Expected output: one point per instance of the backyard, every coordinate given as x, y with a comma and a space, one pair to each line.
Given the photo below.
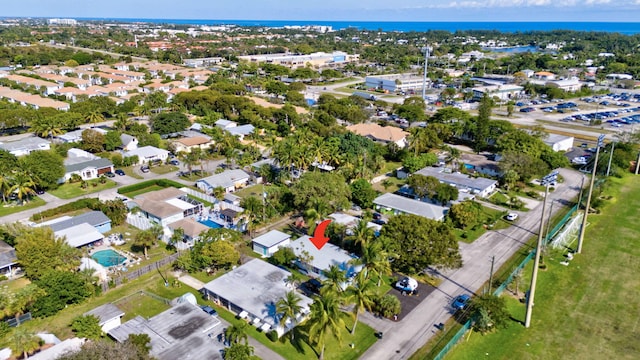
72, 190
594, 299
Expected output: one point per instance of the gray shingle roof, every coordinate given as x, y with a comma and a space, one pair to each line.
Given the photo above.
7, 255
106, 312
97, 163
410, 206
93, 218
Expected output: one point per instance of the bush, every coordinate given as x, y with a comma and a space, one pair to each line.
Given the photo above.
3, 278
387, 306
273, 335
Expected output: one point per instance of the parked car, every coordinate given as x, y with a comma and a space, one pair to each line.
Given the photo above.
460, 302
39, 191
144, 169
174, 162
120, 172
511, 216
110, 174
209, 310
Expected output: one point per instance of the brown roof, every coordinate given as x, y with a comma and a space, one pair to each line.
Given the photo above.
192, 141
191, 227
381, 133
160, 209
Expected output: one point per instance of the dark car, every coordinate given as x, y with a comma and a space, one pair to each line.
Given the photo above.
39, 191
110, 174
527, 109
209, 310
144, 169
120, 172
174, 162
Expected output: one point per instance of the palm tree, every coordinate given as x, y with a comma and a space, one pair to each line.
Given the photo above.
289, 307
362, 234
94, 117
335, 278
253, 208
23, 342
361, 295
24, 298
326, 319
46, 127
294, 279
145, 239
375, 260
237, 332
23, 186
5, 185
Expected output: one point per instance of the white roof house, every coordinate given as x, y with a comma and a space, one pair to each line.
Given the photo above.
26, 146
483, 187
322, 259
147, 154
269, 243
80, 235
396, 204
251, 290
109, 316
229, 180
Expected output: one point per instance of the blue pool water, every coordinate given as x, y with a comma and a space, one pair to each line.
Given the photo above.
210, 223
108, 258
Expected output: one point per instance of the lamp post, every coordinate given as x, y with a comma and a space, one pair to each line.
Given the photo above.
424, 78
586, 208
536, 263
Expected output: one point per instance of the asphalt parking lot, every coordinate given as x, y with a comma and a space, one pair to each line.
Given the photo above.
409, 302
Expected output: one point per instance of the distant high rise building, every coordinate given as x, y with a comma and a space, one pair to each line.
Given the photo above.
67, 22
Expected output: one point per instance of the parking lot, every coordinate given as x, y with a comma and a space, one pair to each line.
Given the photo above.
409, 302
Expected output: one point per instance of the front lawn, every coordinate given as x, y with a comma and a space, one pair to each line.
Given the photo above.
147, 189
131, 172
12, 207
72, 190
163, 169
301, 349
490, 219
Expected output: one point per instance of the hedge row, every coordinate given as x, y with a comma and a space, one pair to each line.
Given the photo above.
165, 183
90, 203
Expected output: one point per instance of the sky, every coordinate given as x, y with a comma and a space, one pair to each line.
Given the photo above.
333, 10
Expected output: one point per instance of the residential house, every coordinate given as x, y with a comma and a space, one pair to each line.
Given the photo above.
395, 204
109, 316
183, 331
97, 219
80, 235
58, 348
559, 142
26, 146
191, 228
242, 131
8, 259
74, 136
226, 124
147, 154
316, 261
251, 291
48, 86
167, 205
129, 142
480, 164
481, 187
86, 165
267, 244
195, 142
229, 180
544, 75
383, 134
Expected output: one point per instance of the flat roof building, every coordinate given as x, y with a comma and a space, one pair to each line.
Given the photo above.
322, 259
482, 187
396, 82
396, 204
269, 243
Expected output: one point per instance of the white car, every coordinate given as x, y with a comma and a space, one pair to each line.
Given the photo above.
511, 216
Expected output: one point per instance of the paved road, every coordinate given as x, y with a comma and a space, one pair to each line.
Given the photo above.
403, 338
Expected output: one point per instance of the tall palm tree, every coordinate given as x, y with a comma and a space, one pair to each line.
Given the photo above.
94, 117
5, 185
289, 307
375, 261
361, 295
253, 208
237, 332
335, 278
145, 239
23, 186
46, 127
326, 319
23, 342
362, 234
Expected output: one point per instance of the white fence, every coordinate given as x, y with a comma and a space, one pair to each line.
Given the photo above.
199, 195
139, 222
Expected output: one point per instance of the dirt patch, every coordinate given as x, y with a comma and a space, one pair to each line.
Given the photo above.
265, 103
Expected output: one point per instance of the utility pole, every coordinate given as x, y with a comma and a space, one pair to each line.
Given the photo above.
493, 260
536, 263
586, 208
613, 146
424, 77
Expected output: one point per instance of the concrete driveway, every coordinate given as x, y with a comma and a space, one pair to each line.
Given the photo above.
403, 338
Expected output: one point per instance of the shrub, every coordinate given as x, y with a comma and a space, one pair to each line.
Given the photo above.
273, 335
387, 306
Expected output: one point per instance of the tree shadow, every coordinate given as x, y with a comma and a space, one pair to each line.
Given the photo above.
301, 337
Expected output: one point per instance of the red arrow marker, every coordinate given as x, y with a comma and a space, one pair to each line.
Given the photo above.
318, 239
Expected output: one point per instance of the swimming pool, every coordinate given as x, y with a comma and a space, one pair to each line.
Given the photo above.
210, 223
108, 258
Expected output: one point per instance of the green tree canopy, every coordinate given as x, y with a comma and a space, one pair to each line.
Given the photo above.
39, 252
330, 187
420, 242
45, 167
87, 326
489, 312
170, 122
362, 193
63, 288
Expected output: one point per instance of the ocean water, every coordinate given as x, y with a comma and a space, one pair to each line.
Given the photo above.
628, 28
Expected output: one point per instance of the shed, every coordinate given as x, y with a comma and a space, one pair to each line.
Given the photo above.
267, 244
109, 315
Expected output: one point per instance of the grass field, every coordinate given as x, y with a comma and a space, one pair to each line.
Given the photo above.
134, 193
12, 207
140, 304
129, 171
588, 310
492, 218
163, 169
70, 191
